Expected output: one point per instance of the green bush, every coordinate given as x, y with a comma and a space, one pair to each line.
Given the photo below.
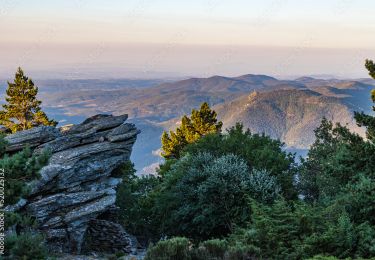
258, 151
204, 197
298, 230
178, 248
214, 248
19, 169
365, 233
359, 196
135, 203
25, 246
339, 176
241, 252
218, 249
336, 159
263, 186
322, 257
19, 220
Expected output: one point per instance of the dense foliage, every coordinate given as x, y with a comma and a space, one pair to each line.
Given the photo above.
337, 158
206, 193
182, 248
20, 169
259, 151
200, 123
22, 110
175, 248
135, 203
238, 195
25, 246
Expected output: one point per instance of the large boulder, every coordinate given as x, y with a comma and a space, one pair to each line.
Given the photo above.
76, 191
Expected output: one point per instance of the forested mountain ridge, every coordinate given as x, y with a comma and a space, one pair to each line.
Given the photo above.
286, 109
288, 115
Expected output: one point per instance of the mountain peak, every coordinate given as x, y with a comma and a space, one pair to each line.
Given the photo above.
255, 77
304, 79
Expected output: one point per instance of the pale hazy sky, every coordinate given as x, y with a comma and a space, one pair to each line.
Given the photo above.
156, 38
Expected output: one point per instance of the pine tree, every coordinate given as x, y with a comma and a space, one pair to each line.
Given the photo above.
22, 110
367, 120
201, 122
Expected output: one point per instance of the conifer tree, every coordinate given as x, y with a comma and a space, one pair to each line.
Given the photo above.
201, 122
23, 110
368, 120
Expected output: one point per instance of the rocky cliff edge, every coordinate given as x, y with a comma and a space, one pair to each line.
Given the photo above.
74, 199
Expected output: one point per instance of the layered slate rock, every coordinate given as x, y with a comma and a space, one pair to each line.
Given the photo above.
76, 192
107, 236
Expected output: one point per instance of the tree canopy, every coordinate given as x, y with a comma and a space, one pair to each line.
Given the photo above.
201, 122
240, 195
22, 109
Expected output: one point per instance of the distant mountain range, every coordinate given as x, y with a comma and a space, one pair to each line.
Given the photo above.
286, 109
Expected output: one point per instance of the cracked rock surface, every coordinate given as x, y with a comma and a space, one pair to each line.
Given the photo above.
76, 192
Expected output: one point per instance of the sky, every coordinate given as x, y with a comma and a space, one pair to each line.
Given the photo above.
165, 38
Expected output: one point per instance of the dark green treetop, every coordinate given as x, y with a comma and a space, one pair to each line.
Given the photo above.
22, 110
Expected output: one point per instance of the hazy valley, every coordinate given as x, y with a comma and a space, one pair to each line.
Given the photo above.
286, 109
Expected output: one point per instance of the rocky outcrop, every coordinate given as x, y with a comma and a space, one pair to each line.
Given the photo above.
77, 190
